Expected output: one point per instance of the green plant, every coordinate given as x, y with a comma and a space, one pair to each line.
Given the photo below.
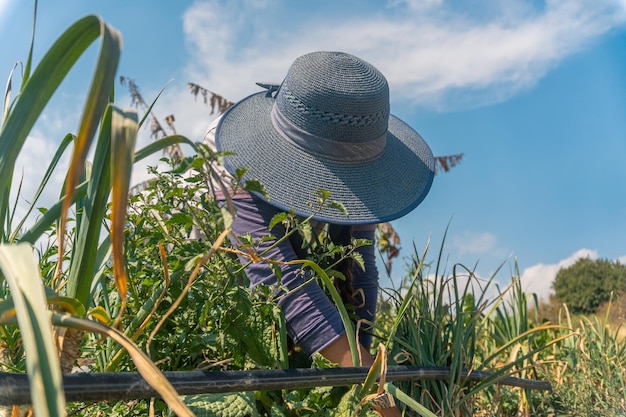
588, 370
435, 326
131, 274
450, 322
217, 318
588, 283
88, 187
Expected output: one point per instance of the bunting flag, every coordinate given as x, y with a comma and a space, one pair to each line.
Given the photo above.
174, 151
210, 98
156, 130
388, 243
447, 162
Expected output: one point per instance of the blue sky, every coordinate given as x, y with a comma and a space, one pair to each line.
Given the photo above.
533, 93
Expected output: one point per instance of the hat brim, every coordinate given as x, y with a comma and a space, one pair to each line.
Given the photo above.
375, 191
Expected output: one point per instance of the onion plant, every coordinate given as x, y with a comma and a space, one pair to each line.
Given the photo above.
450, 321
589, 369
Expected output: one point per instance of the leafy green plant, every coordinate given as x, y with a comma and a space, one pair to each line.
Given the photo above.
188, 318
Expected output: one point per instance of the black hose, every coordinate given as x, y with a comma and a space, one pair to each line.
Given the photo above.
14, 388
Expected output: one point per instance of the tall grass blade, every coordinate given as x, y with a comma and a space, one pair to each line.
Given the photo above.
378, 368
7, 94
5, 211
334, 294
29, 60
149, 109
38, 89
124, 135
21, 270
159, 145
410, 402
406, 301
91, 211
97, 100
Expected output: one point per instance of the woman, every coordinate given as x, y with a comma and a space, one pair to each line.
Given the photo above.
326, 127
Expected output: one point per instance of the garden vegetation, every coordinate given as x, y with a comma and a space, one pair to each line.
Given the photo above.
105, 280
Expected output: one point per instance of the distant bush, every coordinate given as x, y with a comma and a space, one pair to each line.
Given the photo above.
588, 283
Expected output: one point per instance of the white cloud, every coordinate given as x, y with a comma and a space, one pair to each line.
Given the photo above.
4, 7
30, 168
538, 278
416, 4
427, 52
474, 243
429, 57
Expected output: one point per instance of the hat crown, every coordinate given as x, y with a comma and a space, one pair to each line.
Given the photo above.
335, 96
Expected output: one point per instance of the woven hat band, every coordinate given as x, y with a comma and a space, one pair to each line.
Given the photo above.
326, 148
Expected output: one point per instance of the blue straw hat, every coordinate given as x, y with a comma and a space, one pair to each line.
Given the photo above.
328, 127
